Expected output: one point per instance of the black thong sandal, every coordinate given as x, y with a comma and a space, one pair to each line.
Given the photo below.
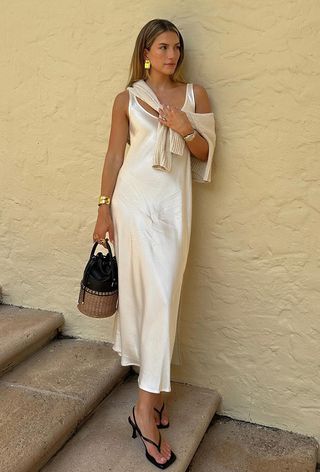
161, 425
135, 428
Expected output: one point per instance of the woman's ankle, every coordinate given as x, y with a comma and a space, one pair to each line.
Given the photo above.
143, 408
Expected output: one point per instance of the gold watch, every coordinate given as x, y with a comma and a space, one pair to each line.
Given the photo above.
190, 136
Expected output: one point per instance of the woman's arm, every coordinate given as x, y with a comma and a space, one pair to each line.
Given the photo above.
112, 163
199, 145
179, 122
116, 148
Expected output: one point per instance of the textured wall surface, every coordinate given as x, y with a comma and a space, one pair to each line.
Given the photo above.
250, 302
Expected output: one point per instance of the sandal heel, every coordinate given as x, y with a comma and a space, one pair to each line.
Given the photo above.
134, 429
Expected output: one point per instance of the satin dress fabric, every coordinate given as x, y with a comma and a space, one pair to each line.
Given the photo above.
151, 211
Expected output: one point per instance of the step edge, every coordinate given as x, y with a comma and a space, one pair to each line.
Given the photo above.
57, 441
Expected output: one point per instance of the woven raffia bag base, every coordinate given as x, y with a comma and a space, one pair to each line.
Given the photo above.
96, 305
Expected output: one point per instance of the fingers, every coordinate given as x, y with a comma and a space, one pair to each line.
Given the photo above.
162, 115
167, 109
102, 239
167, 114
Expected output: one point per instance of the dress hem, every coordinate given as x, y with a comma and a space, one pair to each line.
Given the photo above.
152, 390
125, 362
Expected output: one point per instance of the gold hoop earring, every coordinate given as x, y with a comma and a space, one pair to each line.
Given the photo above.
147, 64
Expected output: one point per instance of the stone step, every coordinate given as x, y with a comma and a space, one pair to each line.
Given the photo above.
24, 331
236, 446
105, 442
45, 399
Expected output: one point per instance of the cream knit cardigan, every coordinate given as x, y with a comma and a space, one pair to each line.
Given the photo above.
170, 143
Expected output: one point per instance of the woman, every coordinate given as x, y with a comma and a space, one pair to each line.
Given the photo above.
146, 209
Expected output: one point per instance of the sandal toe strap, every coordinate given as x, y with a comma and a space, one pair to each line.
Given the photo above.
161, 409
158, 446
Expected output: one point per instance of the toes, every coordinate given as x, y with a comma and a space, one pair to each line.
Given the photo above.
160, 457
166, 451
167, 456
163, 458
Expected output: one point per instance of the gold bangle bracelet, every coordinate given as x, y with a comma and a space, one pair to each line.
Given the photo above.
104, 199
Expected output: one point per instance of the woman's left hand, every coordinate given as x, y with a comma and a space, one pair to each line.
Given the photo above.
176, 119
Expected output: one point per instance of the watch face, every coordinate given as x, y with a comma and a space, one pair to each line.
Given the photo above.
190, 137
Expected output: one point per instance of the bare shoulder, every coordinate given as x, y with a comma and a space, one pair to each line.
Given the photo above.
202, 100
121, 102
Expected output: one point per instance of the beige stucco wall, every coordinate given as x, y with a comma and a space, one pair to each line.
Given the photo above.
250, 303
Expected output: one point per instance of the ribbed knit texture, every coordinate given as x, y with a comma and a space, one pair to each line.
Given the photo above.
170, 143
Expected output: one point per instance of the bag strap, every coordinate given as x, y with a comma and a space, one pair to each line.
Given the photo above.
96, 244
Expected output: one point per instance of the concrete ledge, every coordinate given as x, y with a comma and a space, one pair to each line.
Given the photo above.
24, 331
45, 399
236, 446
104, 443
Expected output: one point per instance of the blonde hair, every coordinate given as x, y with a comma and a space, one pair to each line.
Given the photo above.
144, 40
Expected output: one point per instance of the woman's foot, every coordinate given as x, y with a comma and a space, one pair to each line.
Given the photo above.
164, 414
146, 423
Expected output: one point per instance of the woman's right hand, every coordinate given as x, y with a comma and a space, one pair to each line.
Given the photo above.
104, 225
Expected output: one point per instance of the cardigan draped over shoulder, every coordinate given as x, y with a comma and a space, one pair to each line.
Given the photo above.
171, 144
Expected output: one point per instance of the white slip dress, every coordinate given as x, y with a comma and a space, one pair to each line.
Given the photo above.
151, 211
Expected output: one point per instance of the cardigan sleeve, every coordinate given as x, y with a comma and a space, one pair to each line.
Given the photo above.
205, 124
169, 142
